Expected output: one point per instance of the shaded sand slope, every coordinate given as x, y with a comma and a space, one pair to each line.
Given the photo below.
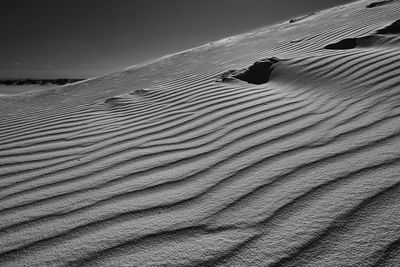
279, 147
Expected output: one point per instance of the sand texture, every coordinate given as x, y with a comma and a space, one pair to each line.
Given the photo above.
278, 147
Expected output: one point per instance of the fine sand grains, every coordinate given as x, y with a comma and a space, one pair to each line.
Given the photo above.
279, 147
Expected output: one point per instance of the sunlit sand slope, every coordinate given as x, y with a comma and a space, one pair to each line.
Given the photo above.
279, 147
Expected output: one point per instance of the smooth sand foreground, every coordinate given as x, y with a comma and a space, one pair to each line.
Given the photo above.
182, 162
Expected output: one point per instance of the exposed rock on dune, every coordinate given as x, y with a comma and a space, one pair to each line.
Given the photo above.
258, 73
293, 20
291, 159
380, 3
373, 40
393, 28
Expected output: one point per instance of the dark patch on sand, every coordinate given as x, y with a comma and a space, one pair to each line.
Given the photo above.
293, 20
393, 28
258, 73
375, 39
348, 43
380, 3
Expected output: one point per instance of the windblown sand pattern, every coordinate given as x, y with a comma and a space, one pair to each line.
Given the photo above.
279, 147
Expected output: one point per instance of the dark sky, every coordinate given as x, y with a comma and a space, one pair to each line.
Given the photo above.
86, 38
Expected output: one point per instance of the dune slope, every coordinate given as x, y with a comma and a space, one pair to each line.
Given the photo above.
278, 147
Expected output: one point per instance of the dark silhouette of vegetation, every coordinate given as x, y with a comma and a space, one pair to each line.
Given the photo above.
39, 82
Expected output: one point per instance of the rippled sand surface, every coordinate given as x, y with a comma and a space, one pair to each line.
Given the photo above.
279, 147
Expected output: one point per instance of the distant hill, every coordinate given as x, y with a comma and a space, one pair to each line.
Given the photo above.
39, 82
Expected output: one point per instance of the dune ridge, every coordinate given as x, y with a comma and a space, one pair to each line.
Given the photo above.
279, 147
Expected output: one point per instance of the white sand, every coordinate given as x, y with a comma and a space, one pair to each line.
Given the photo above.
163, 165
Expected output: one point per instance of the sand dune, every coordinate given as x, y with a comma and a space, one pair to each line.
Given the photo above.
278, 147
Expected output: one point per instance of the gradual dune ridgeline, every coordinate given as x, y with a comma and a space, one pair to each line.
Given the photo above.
278, 147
